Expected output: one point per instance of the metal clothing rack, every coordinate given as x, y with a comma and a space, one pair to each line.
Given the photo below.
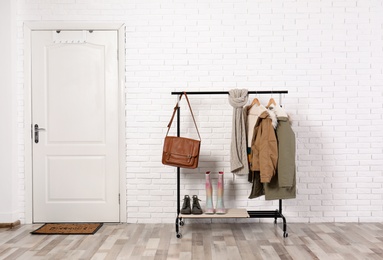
252, 214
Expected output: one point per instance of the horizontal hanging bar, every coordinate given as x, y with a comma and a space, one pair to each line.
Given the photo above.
227, 92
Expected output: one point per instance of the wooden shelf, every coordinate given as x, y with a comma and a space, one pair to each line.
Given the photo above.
231, 213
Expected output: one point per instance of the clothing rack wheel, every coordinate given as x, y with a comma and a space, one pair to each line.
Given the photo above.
179, 223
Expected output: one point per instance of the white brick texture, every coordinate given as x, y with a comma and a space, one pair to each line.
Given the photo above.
328, 54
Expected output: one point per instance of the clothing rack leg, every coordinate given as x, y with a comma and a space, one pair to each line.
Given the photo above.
279, 213
284, 227
178, 219
280, 206
285, 234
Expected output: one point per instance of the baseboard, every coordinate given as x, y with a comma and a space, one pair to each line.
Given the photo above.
10, 225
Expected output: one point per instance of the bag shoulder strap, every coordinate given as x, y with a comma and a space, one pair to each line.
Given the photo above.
175, 110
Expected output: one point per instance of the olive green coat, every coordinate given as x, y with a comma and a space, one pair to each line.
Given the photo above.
283, 184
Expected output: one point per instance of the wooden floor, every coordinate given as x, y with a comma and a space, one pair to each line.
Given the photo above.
200, 241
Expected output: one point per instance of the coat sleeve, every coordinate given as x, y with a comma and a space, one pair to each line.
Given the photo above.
255, 150
268, 152
286, 151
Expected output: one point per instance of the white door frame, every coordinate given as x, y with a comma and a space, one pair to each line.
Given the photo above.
41, 26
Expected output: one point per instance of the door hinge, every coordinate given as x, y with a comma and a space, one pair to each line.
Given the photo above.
119, 198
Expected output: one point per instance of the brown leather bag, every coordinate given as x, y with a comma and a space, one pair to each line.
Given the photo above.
180, 151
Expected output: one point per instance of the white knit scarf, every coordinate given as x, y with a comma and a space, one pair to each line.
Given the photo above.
238, 150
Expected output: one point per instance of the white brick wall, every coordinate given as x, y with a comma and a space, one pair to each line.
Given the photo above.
328, 54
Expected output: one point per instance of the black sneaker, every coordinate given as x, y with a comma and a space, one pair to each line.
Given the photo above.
186, 209
196, 210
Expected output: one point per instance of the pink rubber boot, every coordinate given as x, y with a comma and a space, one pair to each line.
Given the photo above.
209, 195
220, 205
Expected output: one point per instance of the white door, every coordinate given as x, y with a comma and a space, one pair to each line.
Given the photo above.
75, 126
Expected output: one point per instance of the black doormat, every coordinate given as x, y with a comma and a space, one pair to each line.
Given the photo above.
68, 229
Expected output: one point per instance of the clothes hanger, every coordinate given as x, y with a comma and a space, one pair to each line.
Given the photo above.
254, 102
271, 102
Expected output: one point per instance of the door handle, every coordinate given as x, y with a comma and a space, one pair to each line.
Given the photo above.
37, 130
